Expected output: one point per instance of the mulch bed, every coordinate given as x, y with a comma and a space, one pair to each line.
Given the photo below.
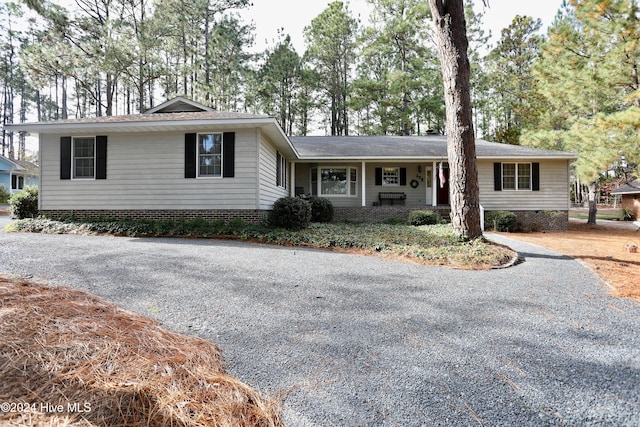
68, 358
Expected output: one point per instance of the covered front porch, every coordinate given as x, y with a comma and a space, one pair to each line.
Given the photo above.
374, 183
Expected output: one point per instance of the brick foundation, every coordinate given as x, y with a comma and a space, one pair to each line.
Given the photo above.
251, 216
527, 220
380, 213
542, 220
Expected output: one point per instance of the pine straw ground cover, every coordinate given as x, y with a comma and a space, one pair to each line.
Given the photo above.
68, 358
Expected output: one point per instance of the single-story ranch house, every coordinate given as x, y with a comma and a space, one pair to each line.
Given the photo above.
183, 160
17, 174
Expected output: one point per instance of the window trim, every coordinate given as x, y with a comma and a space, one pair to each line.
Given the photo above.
397, 184
198, 174
281, 171
517, 176
318, 174
18, 180
73, 159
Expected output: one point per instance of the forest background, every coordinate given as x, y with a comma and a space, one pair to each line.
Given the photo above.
575, 88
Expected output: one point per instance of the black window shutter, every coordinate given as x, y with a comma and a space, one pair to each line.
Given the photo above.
403, 176
14, 182
101, 157
497, 176
535, 176
65, 157
378, 176
228, 154
190, 155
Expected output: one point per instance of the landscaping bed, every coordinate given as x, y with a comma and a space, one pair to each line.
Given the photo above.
427, 245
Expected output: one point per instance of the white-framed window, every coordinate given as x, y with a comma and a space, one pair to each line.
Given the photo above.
281, 170
314, 181
210, 155
390, 176
353, 182
83, 157
516, 176
334, 181
17, 182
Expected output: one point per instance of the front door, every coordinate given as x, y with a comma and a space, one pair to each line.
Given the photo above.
442, 183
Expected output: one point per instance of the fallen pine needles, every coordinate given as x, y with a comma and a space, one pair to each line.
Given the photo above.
68, 358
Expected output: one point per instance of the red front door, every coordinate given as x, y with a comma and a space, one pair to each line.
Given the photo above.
443, 184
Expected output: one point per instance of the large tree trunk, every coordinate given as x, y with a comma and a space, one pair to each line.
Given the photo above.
450, 28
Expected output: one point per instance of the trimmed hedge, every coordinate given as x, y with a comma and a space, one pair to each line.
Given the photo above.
424, 217
291, 213
321, 209
24, 204
500, 221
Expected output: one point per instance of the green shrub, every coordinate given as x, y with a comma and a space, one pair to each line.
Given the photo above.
321, 209
291, 213
500, 221
424, 217
24, 204
5, 194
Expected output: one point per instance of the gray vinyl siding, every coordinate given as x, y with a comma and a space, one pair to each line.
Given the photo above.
553, 194
147, 172
416, 197
269, 191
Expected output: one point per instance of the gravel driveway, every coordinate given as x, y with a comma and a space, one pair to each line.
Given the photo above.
361, 341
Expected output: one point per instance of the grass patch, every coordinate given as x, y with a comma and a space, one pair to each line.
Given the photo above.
427, 244
99, 365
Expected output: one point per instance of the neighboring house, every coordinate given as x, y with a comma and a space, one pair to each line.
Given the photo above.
182, 160
17, 174
630, 194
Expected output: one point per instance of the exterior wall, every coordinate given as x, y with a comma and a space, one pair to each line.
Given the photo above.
418, 197
5, 179
532, 220
527, 220
380, 213
146, 172
631, 202
5, 174
253, 216
303, 179
269, 192
553, 194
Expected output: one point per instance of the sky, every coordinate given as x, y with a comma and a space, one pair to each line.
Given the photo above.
293, 15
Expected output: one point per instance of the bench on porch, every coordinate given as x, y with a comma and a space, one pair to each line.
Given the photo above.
391, 196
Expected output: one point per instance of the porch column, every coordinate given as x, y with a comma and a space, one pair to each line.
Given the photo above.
363, 185
292, 190
434, 185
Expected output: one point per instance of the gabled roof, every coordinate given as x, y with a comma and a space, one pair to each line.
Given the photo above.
630, 188
407, 147
178, 104
191, 121
19, 165
12, 164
